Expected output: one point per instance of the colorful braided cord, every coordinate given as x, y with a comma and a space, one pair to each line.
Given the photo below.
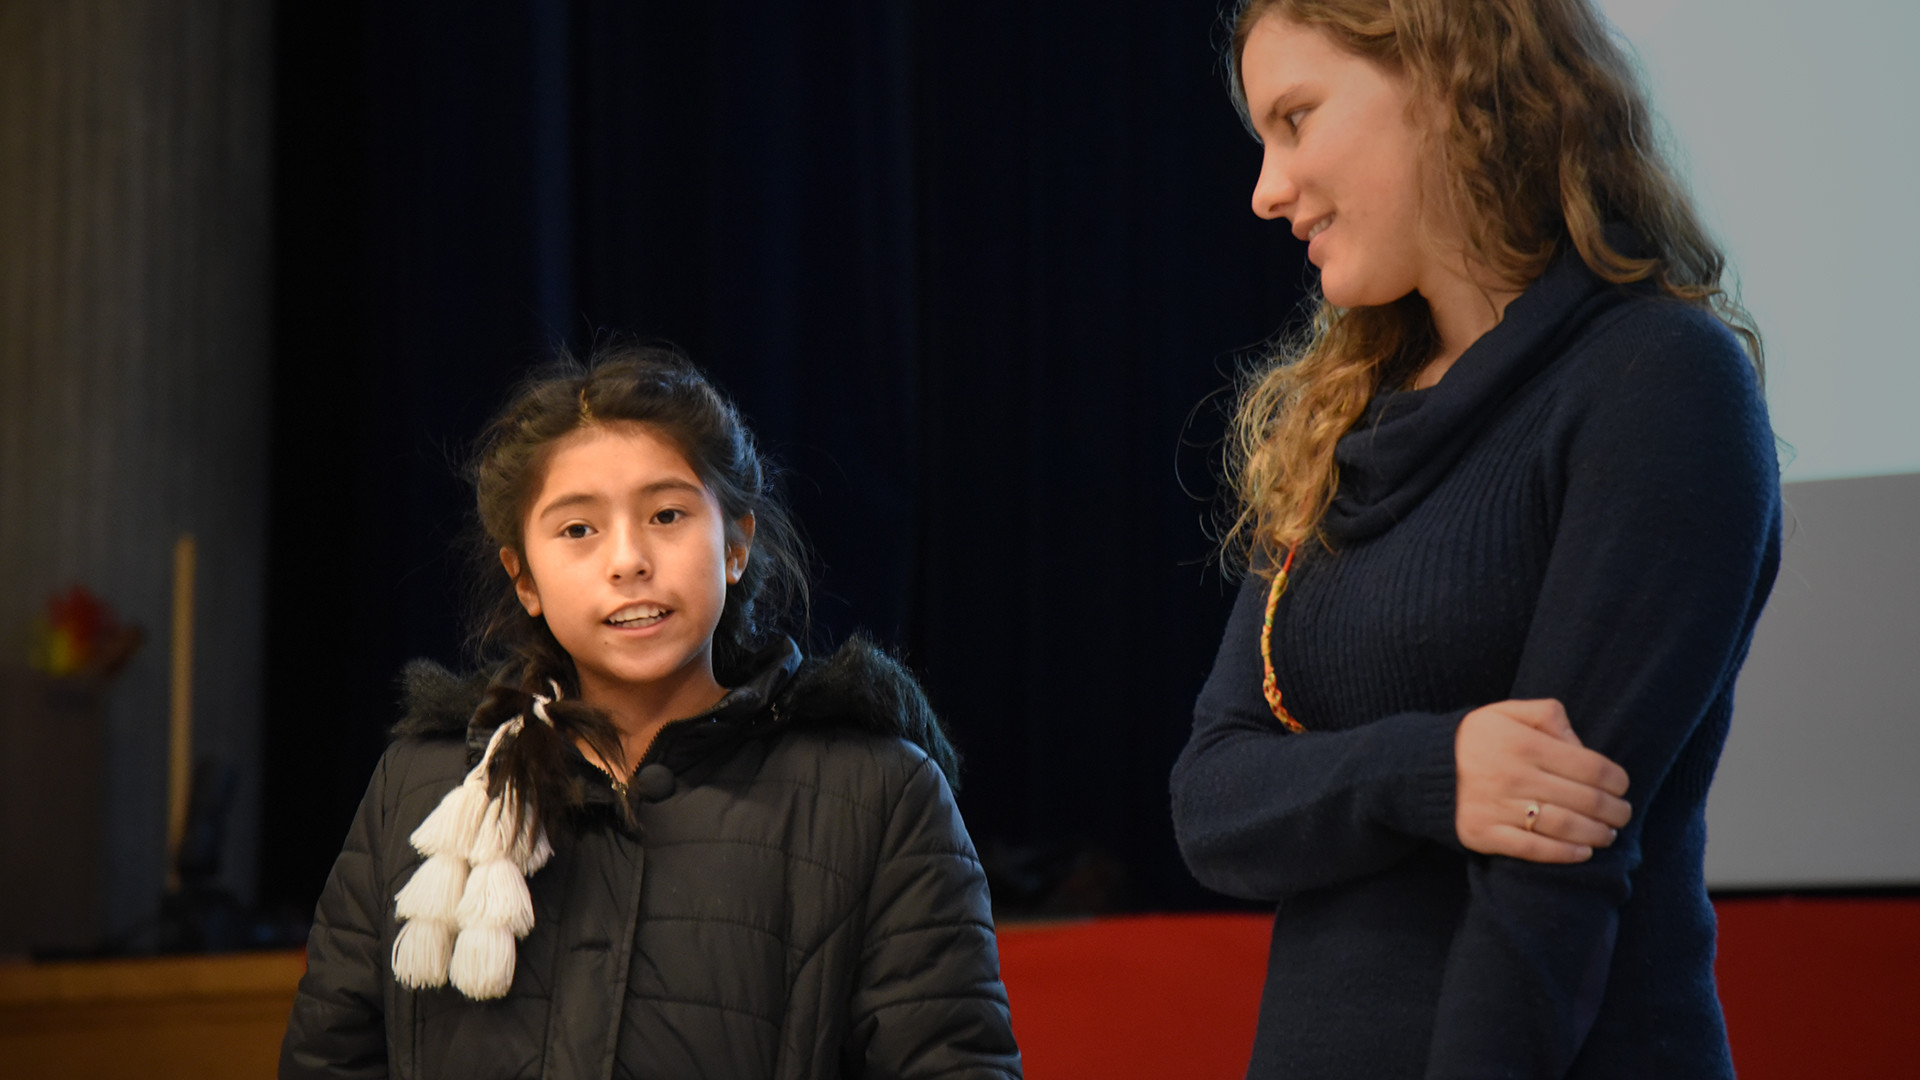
1268, 684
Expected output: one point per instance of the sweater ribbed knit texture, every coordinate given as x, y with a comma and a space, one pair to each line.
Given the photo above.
1586, 508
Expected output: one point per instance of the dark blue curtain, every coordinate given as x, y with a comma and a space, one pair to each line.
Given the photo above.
977, 272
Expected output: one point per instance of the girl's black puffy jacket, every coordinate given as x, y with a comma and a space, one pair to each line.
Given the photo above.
796, 897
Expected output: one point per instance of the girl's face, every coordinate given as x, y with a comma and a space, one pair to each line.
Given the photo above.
1343, 162
627, 558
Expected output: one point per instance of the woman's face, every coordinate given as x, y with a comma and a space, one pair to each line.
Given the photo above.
1343, 161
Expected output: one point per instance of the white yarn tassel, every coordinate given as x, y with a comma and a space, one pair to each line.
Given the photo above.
532, 850
494, 838
475, 879
434, 891
449, 829
422, 952
496, 895
482, 966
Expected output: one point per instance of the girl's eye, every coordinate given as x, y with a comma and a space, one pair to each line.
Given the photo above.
1293, 118
576, 531
669, 515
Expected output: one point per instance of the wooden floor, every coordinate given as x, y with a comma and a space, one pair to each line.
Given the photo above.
207, 1017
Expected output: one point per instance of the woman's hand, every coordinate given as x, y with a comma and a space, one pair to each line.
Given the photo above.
1527, 788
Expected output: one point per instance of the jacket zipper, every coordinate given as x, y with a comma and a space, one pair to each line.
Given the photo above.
652, 752
653, 745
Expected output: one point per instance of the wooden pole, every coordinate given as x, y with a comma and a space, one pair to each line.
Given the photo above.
180, 712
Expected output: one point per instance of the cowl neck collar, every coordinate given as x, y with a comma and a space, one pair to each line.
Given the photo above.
1406, 440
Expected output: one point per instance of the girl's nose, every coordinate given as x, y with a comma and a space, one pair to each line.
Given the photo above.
1274, 193
627, 555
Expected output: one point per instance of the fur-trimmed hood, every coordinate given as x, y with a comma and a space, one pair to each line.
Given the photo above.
859, 687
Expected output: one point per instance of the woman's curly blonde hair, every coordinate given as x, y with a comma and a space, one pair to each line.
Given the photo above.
1548, 137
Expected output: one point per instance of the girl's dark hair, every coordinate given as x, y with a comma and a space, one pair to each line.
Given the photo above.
618, 384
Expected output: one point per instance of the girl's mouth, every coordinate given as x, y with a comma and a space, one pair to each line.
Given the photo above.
637, 616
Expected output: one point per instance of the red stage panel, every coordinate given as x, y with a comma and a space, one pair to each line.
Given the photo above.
1160, 996
1812, 988
1821, 987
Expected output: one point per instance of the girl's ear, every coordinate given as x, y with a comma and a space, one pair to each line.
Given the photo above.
739, 551
523, 585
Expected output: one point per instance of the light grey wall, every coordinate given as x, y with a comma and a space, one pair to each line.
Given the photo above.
134, 158
1820, 783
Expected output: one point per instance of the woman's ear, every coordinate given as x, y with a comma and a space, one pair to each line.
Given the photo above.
523, 585
740, 549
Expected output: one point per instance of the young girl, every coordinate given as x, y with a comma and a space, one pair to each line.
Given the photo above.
1514, 510
651, 839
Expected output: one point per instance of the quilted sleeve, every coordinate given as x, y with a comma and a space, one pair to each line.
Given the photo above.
338, 1026
928, 1000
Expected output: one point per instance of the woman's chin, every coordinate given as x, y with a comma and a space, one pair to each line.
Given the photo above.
1338, 292
1336, 288
1344, 292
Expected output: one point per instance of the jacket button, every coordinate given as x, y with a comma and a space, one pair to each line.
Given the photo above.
655, 782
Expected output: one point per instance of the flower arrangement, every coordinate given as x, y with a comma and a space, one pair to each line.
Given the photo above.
78, 634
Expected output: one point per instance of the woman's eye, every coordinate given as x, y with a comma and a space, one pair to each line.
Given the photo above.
576, 531
669, 516
1293, 118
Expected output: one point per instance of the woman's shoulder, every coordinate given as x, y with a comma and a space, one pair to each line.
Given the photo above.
1657, 397
1648, 338
1651, 369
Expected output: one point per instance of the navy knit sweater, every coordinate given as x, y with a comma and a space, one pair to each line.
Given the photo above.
1585, 508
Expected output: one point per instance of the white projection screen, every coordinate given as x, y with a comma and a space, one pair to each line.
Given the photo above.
1796, 127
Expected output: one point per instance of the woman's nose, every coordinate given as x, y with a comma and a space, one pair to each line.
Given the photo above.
1273, 193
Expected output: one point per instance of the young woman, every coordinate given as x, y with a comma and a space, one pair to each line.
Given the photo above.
1509, 511
650, 839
